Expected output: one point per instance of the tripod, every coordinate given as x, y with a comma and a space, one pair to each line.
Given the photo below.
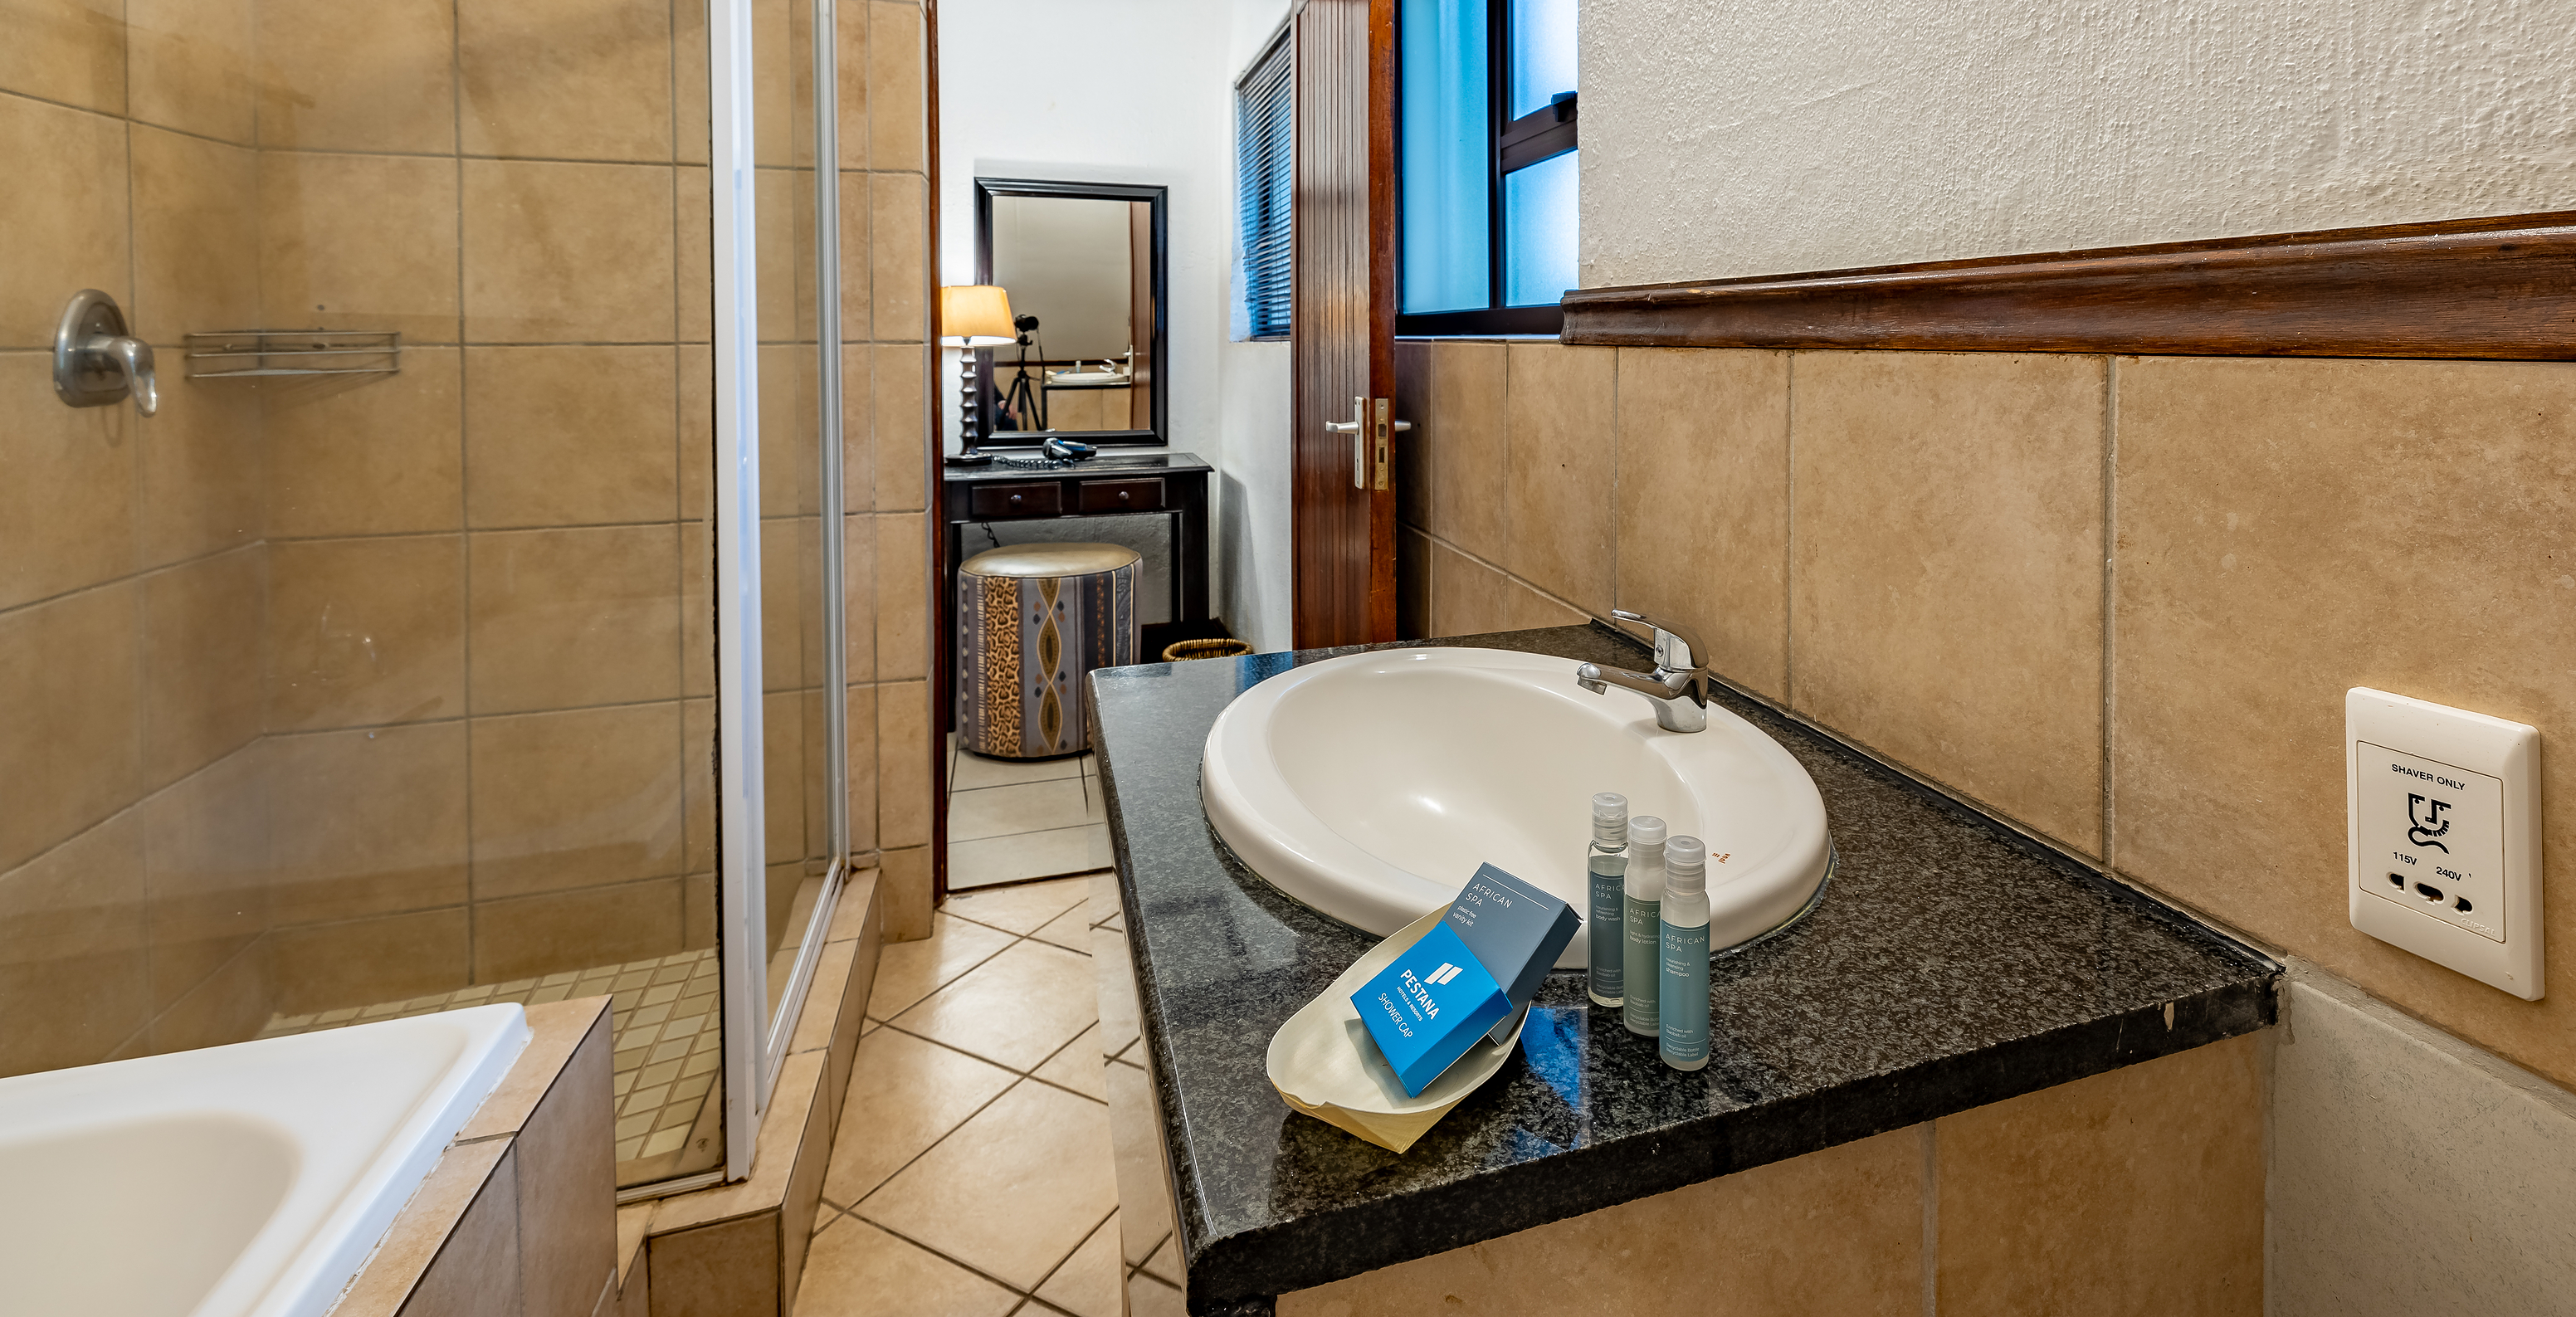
1022, 402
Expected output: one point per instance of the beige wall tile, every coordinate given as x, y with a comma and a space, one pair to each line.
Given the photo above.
565, 79
697, 608
1560, 410
903, 764
372, 455
201, 662
570, 435
226, 1006
902, 435
1703, 509
1946, 596
1464, 435
359, 242
852, 94
567, 252
698, 784
858, 412
1834, 1232
576, 799
729, 1269
532, 935
368, 823
697, 388
782, 747
73, 51
903, 886
774, 84
783, 213
206, 872
857, 273
898, 256
2268, 512
897, 105
860, 595
65, 211
2137, 1190
567, 1173
460, 1176
67, 510
1412, 458
320, 967
366, 631
373, 77
863, 768
1469, 598
188, 66
71, 731
788, 649
693, 254
477, 1270
564, 618
789, 424
196, 239
201, 465
902, 602
74, 981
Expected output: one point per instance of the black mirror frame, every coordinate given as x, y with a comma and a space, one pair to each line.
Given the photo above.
1158, 352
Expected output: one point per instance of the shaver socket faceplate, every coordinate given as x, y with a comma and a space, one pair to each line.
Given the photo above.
2443, 812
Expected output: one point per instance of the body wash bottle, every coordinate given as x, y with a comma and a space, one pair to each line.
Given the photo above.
1607, 865
1642, 914
1682, 996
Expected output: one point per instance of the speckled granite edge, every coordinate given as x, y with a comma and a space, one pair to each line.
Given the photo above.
1235, 1267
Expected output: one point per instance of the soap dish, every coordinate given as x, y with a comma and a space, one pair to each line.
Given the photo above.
1324, 1063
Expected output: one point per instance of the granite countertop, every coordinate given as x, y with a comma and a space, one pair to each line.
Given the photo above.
1952, 963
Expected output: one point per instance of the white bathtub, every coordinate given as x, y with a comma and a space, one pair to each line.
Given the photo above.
233, 1181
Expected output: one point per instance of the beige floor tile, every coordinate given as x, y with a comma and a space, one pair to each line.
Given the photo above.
1102, 905
973, 772
1070, 930
1166, 1261
1144, 1196
1095, 801
855, 1269
904, 1094
910, 971
1077, 1067
1022, 909
1087, 1284
988, 861
1017, 1008
1114, 980
1042, 1151
1007, 811
1148, 1297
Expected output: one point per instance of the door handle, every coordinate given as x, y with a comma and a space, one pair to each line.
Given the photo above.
96, 362
1361, 429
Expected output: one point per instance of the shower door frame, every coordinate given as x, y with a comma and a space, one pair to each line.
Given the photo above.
754, 1047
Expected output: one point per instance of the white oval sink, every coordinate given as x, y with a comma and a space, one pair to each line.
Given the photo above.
1370, 787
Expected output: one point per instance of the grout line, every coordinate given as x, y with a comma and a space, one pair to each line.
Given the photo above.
2110, 594
1077, 1248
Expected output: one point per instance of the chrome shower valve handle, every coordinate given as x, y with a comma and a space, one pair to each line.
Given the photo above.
96, 362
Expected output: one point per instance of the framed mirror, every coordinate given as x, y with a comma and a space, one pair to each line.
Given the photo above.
1083, 267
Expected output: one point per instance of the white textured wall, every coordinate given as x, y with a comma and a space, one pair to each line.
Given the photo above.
1737, 137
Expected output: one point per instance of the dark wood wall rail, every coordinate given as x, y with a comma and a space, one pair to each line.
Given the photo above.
2501, 287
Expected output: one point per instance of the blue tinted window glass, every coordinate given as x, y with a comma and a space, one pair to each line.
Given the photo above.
1543, 59
1443, 145
1539, 232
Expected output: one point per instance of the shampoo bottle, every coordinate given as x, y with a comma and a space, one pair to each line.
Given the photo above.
1682, 996
1642, 913
1607, 865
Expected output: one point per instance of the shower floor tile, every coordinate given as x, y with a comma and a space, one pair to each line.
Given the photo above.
664, 1017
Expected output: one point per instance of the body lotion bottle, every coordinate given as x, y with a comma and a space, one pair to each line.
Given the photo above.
1682, 996
1642, 913
1606, 865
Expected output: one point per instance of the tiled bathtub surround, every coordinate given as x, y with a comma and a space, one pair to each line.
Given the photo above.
2118, 600
316, 694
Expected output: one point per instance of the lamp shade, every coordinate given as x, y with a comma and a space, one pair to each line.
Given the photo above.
975, 316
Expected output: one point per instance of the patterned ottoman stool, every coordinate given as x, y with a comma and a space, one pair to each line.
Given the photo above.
1031, 619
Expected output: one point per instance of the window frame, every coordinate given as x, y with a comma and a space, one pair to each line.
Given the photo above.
1279, 57
1511, 145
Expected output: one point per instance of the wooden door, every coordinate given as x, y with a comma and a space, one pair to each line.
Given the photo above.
1342, 323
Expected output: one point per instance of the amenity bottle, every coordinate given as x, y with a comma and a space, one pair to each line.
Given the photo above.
1642, 917
1682, 998
1607, 863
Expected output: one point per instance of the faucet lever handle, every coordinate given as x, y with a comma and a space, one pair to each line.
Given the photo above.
1668, 638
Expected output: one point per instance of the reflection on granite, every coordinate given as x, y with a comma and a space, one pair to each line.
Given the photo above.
1952, 963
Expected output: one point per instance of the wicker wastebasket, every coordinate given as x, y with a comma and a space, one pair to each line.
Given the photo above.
1031, 620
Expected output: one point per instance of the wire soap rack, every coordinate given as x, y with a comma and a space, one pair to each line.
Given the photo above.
247, 353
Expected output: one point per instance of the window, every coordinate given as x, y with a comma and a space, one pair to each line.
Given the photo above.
1264, 135
1486, 164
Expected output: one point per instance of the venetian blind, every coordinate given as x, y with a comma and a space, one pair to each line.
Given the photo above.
1264, 175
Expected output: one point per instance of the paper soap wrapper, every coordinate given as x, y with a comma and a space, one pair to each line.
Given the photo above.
1324, 1063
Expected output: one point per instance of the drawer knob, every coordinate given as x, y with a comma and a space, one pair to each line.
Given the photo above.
1126, 496
1015, 500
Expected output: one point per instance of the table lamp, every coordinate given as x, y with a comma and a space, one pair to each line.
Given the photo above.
973, 316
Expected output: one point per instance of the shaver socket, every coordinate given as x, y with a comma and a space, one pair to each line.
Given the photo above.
2443, 811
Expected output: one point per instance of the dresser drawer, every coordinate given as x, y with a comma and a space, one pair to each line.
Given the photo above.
1035, 499
1121, 495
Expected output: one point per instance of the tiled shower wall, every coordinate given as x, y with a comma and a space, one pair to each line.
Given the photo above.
2116, 598
383, 687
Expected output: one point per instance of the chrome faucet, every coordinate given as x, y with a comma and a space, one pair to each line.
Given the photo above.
1678, 687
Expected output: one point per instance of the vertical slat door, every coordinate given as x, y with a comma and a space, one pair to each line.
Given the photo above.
1342, 323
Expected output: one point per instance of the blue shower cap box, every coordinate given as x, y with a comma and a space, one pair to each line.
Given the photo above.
1481, 962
